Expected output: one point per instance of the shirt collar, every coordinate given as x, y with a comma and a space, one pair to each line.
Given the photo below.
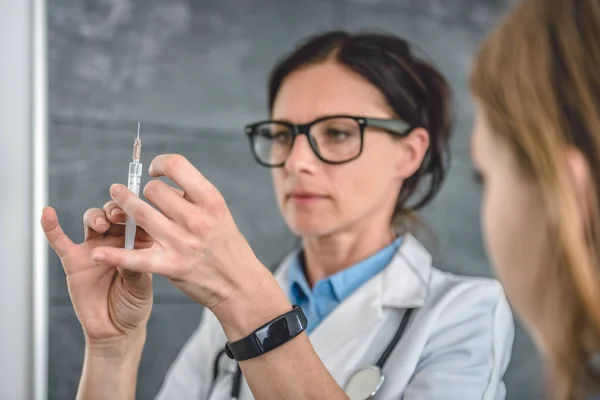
404, 283
299, 286
343, 282
346, 281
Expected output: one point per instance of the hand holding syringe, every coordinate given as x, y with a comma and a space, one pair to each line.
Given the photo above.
133, 183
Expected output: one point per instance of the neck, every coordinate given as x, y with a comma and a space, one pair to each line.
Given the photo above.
543, 321
324, 256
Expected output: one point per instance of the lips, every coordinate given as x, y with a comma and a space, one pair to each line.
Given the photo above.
304, 196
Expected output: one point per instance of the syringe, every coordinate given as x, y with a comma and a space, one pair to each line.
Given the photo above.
133, 183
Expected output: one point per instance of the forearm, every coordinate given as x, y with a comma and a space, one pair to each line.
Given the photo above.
291, 371
110, 371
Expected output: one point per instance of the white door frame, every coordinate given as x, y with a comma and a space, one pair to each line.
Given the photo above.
23, 179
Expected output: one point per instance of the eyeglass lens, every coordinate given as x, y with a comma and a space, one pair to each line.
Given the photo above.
335, 140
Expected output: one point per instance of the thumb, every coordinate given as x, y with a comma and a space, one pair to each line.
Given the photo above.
138, 284
56, 237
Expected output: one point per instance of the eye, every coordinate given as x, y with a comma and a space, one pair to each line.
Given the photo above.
282, 136
337, 134
272, 135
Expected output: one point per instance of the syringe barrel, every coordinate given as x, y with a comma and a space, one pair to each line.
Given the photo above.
133, 183
135, 175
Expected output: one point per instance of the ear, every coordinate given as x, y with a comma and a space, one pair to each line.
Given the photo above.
412, 151
579, 170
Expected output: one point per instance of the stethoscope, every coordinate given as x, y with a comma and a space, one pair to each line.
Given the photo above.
362, 385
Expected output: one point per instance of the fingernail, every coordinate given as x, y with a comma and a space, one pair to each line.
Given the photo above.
100, 221
115, 189
116, 211
98, 256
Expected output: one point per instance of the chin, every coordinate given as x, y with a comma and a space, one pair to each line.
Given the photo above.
309, 227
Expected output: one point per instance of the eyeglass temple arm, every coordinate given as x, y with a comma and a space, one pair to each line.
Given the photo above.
393, 125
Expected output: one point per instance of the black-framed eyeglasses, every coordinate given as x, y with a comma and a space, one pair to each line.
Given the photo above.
334, 139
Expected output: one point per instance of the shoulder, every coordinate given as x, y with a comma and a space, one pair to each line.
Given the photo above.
447, 289
466, 332
443, 291
469, 303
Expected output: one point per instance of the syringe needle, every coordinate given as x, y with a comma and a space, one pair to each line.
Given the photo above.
137, 146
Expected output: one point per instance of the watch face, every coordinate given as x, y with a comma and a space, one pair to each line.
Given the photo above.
277, 334
269, 336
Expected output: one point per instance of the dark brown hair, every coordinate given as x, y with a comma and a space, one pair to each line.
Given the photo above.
413, 88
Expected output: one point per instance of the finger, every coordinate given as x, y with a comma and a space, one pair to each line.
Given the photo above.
57, 238
170, 202
113, 212
119, 230
143, 260
94, 223
118, 242
151, 220
183, 173
179, 192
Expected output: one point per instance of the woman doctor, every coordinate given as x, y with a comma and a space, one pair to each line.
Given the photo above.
357, 138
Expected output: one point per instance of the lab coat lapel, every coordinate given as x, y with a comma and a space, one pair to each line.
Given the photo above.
358, 313
350, 325
403, 284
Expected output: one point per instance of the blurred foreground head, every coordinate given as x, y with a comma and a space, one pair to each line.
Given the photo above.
536, 144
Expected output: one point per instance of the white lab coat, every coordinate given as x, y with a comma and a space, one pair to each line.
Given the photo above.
457, 345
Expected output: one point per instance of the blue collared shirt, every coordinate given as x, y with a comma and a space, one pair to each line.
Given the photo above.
318, 302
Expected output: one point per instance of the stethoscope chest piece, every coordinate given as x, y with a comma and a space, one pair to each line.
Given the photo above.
364, 383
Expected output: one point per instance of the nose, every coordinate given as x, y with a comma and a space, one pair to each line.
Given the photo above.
302, 157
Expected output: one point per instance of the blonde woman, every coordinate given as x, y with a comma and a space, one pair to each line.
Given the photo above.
536, 145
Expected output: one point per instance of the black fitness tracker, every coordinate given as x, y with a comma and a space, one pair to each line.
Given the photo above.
269, 336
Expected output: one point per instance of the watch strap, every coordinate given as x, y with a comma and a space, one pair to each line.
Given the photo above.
269, 336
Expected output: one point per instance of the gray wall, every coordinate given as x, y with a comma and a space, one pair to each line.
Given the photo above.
193, 73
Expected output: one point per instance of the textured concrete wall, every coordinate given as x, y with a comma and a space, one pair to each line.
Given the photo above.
193, 73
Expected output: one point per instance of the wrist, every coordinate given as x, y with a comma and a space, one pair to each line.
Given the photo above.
110, 368
116, 349
256, 300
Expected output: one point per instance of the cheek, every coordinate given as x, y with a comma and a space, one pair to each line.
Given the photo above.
278, 182
496, 232
344, 183
514, 236
361, 185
